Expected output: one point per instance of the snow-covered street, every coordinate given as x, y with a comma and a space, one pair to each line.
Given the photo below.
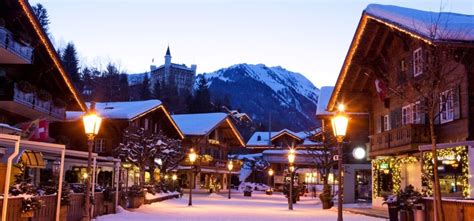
218, 207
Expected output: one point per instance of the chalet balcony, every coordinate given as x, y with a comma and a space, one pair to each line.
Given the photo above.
13, 51
398, 140
29, 104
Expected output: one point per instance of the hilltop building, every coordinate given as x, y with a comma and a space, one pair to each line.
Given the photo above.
171, 74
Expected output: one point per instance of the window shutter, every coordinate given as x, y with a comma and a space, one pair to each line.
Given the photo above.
378, 124
456, 103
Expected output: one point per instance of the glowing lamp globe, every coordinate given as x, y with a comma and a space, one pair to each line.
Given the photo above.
270, 172
174, 177
192, 156
91, 122
358, 153
291, 156
340, 122
230, 165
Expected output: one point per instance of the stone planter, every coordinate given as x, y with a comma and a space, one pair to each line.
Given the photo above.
405, 215
135, 201
63, 213
248, 193
392, 211
327, 204
419, 212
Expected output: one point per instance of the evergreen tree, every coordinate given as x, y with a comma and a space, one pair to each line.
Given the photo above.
42, 15
124, 94
145, 88
202, 99
71, 64
157, 90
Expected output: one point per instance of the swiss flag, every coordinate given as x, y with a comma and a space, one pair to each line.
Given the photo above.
37, 130
381, 89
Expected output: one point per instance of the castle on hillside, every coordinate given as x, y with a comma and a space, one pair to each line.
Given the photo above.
171, 74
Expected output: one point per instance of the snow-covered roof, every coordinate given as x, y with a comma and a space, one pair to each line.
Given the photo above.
198, 124
260, 138
451, 26
324, 96
6, 128
118, 110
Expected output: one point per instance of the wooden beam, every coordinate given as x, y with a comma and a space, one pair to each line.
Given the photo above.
371, 40
382, 42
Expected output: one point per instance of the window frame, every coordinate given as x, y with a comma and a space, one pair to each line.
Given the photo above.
99, 145
417, 62
446, 115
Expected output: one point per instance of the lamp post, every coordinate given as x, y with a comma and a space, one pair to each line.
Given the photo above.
270, 174
339, 126
291, 168
92, 123
229, 166
192, 159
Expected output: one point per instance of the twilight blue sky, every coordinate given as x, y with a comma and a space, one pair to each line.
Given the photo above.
309, 37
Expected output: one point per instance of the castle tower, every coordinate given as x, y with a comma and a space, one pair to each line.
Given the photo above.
168, 57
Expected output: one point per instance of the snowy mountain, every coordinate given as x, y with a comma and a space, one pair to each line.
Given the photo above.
259, 90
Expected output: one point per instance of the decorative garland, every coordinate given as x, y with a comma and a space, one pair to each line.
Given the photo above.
428, 168
394, 164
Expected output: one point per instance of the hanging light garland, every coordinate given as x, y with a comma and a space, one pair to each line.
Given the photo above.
394, 163
428, 169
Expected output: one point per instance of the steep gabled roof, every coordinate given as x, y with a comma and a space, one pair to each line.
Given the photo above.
44, 39
203, 124
126, 110
287, 132
324, 96
452, 28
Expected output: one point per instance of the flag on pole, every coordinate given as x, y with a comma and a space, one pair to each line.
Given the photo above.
381, 89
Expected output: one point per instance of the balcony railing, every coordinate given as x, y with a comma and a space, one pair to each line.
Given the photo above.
405, 135
8, 42
31, 100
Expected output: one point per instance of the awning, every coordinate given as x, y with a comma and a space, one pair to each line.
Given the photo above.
33, 159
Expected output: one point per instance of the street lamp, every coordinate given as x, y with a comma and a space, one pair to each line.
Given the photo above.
270, 174
192, 159
92, 123
291, 168
339, 126
229, 166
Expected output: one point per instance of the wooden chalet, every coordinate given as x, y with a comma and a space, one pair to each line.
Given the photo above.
390, 51
212, 135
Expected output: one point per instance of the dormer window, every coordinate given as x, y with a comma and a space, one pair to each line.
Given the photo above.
259, 138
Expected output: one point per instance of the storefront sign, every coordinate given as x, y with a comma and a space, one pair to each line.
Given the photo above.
384, 166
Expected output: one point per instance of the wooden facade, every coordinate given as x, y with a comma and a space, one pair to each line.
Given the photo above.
111, 132
377, 42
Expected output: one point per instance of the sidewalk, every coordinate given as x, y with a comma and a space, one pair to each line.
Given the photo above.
364, 209
378, 213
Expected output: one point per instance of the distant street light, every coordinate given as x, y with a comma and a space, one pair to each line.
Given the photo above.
358, 153
91, 123
270, 174
229, 166
192, 159
339, 126
291, 168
